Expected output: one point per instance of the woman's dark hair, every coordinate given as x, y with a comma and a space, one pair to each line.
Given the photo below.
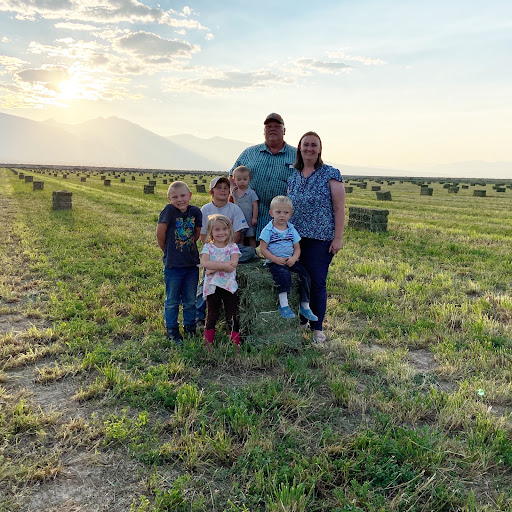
299, 162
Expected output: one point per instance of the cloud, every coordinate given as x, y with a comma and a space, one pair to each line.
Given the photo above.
324, 67
154, 49
75, 26
99, 11
10, 64
5, 39
366, 61
208, 36
219, 82
47, 76
121, 53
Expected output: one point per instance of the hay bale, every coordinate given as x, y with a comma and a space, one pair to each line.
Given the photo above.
37, 185
29, 179
133, 178
123, 180
426, 191
453, 190
61, 200
369, 219
200, 189
21, 176
479, 193
260, 321
375, 188
383, 195
149, 189
83, 179
152, 183
500, 189
349, 190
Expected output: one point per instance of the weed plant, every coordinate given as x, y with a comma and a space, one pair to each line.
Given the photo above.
407, 408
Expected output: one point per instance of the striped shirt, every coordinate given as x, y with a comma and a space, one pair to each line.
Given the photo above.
269, 176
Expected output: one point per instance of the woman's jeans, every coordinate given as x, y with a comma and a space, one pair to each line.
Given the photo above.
316, 258
180, 288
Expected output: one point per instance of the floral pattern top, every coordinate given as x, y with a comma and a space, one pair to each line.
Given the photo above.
226, 280
313, 214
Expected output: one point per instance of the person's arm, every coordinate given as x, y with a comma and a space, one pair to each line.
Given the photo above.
197, 234
161, 234
206, 263
338, 206
234, 260
254, 221
267, 254
295, 256
237, 237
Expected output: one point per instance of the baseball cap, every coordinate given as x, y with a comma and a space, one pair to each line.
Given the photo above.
217, 179
274, 117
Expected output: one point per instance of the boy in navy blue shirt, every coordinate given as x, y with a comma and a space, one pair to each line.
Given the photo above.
179, 227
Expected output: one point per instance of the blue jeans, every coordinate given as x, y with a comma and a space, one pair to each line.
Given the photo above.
283, 279
316, 258
247, 255
180, 288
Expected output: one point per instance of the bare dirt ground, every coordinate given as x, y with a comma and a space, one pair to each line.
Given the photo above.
86, 480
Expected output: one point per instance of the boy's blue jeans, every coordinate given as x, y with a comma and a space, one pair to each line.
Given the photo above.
180, 288
283, 279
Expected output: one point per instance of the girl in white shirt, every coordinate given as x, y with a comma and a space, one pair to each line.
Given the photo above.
220, 258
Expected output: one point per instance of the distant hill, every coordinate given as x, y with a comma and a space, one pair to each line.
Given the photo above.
115, 142
109, 141
223, 152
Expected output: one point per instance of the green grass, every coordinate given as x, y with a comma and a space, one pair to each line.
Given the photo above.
408, 408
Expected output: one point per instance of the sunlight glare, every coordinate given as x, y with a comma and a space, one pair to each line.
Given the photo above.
69, 90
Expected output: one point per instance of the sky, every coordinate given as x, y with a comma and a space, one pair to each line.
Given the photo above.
390, 83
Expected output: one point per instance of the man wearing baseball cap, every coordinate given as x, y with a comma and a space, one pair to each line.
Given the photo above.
271, 164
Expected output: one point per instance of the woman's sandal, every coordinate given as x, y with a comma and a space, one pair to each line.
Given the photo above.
319, 337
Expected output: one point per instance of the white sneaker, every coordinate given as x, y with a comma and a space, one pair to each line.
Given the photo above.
319, 337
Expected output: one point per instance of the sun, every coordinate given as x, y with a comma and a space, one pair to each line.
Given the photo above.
70, 90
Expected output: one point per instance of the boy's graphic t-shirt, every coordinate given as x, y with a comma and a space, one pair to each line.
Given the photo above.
226, 280
180, 244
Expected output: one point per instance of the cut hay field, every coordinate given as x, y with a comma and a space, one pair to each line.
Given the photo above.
408, 407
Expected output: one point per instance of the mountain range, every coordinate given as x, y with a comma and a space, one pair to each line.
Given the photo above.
116, 142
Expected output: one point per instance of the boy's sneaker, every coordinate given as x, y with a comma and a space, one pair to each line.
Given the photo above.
286, 312
189, 331
307, 313
174, 335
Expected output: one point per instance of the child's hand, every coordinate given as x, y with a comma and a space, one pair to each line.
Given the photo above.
254, 222
291, 261
279, 261
228, 267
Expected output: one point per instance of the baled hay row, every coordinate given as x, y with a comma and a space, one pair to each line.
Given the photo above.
260, 321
